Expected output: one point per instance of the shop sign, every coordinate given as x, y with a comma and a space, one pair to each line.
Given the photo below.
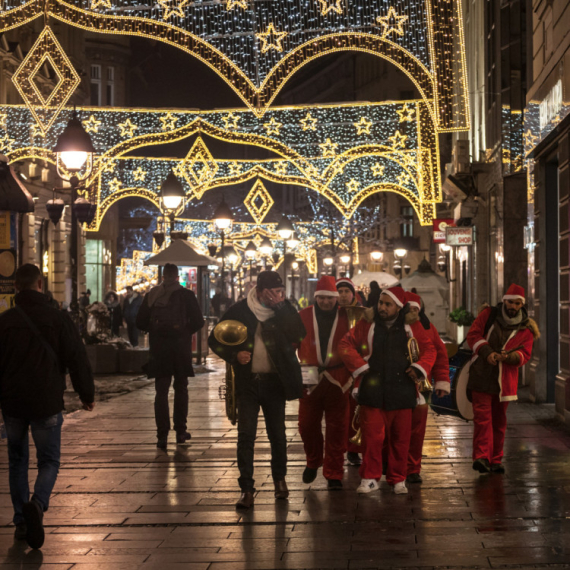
460, 236
439, 227
550, 106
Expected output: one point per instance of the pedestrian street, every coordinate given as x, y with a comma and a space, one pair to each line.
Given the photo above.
121, 503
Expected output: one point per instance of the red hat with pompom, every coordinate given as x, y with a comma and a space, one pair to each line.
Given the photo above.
398, 294
514, 292
414, 300
326, 286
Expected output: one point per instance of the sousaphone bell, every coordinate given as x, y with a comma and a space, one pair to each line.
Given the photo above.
230, 333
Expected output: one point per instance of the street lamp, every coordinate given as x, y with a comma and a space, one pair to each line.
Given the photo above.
285, 230
250, 253
376, 255
74, 149
223, 218
266, 247
328, 261
400, 253
172, 196
294, 267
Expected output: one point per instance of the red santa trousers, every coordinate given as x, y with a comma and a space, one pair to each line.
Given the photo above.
490, 425
376, 425
328, 399
352, 447
419, 422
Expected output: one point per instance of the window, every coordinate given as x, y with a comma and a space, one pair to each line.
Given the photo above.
407, 227
110, 86
96, 85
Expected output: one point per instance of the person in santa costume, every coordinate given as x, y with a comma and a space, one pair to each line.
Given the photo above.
347, 298
440, 380
376, 353
327, 384
501, 339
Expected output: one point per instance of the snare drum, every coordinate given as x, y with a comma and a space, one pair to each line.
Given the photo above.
456, 403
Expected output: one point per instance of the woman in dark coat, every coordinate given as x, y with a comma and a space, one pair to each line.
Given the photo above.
115, 312
374, 295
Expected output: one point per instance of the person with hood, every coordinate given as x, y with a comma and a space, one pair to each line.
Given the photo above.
267, 374
376, 353
327, 392
131, 306
373, 295
171, 315
115, 312
501, 339
440, 379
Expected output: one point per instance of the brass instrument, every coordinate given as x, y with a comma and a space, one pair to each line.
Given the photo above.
230, 333
424, 385
357, 438
354, 314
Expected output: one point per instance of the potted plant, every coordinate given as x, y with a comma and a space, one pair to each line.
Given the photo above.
462, 318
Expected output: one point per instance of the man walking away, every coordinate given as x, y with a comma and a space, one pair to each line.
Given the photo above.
131, 306
37, 344
171, 314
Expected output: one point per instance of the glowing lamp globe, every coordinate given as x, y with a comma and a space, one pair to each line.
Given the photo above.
266, 247
172, 192
223, 216
285, 228
376, 255
74, 145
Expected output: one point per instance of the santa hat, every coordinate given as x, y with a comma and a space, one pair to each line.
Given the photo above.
514, 292
414, 300
397, 293
345, 282
326, 286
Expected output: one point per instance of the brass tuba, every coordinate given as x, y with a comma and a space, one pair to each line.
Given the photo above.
230, 333
424, 385
357, 438
354, 314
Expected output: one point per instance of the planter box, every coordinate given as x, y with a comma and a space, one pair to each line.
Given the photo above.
132, 360
104, 358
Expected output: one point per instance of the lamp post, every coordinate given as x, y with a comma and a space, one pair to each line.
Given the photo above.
223, 218
345, 259
294, 267
328, 260
266, 247
74, 149
250, 253
232, 256
285, 230
172, 197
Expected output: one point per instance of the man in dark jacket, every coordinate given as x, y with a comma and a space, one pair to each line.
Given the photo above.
171, 314
37, 344
131, 306
267, 373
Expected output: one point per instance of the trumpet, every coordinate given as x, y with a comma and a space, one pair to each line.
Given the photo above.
357, 438
424, 385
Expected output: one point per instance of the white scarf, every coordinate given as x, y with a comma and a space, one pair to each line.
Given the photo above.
261, 313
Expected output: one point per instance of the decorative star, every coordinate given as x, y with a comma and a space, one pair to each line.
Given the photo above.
96, 3
403, 179
377, 169
239, 3
3, 119
271, 39
363, 126
309, 123
273, 127
6, 143
168, 122
115, 185
92, 125
231, 121
398, 140
139, 174
312, 171
329, 149
392, 23
353, 186
328, 5
406, 114
235, 168
530, 139
36, 131
169, 10
127, 128
281, 168
109, 164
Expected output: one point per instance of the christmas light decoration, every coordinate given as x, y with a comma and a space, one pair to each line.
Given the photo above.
258, 202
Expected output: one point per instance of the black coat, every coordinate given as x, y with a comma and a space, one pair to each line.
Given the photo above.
26, 388
280, 334
171, 356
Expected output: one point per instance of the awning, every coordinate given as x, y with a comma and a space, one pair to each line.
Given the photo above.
181, 253
14, 196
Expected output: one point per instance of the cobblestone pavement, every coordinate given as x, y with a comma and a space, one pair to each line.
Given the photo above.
120, 503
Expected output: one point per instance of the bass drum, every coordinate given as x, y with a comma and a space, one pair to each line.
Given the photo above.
456, 403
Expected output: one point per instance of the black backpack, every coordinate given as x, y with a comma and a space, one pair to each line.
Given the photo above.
169, 320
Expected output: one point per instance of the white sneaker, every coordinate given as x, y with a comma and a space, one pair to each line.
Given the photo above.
383, 479
367, 486
400, 488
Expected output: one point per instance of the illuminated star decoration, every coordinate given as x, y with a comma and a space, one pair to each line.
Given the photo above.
392, 23
235, 168
329, 149
328, 5
271, 39
273, 127
309, 123
3, 119
312, 171
530, 139
91, 125
169, 9
398, 140
233, 3
127, 128
36, 131
377, 169
108, 165
353, 186
96, 3
6, 143
406, 114
403, 179
231, 121
281, 168
139, 174
168, 122
115, 185
363, 126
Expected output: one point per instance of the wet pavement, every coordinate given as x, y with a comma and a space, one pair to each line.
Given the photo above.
120, 503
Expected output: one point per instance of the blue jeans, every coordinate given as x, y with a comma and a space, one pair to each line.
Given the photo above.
47, 438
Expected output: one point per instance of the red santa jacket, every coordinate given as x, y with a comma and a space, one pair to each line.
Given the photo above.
440, 370
356, 346
310, 349
508, 373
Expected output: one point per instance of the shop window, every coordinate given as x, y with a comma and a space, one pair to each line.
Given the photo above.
407, 227
98, 268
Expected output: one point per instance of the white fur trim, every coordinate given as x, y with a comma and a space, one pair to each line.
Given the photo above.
442, 385
479, 343
420, 368
344, 388
508, 398
370, 341
360, 370
513, 298
327, 293
396, 300
521, 357
414, 304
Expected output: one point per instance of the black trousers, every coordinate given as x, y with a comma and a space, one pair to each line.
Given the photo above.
161, 411
263, 391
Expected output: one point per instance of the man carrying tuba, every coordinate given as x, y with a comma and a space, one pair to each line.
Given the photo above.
267, 374
376, 352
